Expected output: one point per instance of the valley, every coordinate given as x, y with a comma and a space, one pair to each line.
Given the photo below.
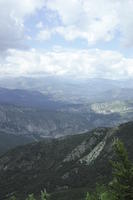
34, 116
61, 143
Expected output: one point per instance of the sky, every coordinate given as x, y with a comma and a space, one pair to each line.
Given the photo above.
76, 38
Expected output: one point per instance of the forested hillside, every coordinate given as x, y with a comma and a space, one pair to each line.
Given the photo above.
65, 167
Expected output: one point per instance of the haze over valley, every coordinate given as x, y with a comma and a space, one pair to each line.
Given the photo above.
30, 110
66, 100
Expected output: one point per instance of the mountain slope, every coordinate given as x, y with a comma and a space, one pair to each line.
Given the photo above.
31, 124
121, 94
34, 116
9, 141
73, 90
28, 98
38, 122
64, 164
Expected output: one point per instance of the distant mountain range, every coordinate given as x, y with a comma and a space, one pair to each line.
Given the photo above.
48, 115
35, 124
73, 90
28, 98
34, 116
122, 94
67, 167
40, 123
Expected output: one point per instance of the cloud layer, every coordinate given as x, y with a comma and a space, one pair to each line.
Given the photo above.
97, 20
87, 20
13, 14
79, 63
94, 20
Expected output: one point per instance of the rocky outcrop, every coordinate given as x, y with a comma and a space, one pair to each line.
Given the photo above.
70, 162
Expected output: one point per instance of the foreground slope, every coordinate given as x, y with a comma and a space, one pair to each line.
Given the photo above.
62, 165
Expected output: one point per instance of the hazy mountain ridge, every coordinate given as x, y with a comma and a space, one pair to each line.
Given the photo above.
30, 121
38, 123
35, 124
33, 115
73, 90
59, 165
28, 98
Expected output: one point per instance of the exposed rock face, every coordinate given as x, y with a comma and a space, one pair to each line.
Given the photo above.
94, 153
86, 145
112, 107
65, 163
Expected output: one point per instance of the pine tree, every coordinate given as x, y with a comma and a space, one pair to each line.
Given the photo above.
122, 183
121, 186
106, 196
89, 196
30, 197
44, 195
99, 194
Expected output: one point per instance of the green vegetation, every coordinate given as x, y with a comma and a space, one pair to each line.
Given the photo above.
43, 196
122, 183
13, 198
121, 186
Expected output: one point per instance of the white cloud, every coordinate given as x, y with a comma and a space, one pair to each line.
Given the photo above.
97, 20
91, 20
78, 63
94, 20
44, 35
40, 25
12, 16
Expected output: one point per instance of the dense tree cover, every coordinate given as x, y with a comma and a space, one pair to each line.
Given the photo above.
121, 186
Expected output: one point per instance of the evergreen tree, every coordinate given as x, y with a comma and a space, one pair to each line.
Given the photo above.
30, 197
121, 186
106, 196
122, 183
44, 195
89, 196
101, 193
